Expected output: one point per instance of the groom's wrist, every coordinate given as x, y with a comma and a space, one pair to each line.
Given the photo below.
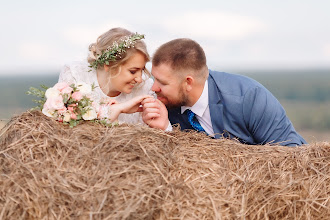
168, 127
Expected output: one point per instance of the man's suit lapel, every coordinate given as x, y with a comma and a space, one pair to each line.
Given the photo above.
216, 108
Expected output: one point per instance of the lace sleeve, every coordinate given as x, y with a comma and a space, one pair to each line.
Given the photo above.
66, 75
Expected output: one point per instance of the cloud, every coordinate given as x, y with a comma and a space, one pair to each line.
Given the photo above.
326, 50
213, 25
32, 56
36, 51
84, 35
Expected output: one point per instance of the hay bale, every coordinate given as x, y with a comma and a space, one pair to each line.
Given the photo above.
51, 171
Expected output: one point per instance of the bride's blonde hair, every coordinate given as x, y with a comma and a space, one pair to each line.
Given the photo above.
108, 39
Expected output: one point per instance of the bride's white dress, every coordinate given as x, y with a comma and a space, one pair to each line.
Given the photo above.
81, 72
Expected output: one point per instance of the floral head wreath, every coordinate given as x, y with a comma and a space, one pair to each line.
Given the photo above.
116, 50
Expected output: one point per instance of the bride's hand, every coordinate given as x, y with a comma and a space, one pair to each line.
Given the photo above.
130, 106
133, 105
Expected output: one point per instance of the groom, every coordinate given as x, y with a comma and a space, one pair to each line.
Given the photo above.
217, 103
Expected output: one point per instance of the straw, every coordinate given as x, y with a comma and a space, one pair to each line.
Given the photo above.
51, 171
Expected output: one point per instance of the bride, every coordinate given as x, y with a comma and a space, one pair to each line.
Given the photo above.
116, 66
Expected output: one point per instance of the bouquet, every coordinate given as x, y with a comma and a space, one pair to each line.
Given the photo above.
71, 104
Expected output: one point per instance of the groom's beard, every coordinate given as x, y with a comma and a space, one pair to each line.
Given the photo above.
180, 100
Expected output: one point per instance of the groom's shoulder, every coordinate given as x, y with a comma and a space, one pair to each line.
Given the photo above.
230, 82
224, 76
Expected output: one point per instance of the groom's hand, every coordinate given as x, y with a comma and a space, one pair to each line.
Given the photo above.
155, 113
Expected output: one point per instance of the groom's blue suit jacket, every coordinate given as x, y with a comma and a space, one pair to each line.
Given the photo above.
242, 108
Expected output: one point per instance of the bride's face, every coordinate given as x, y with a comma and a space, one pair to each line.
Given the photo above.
130, 74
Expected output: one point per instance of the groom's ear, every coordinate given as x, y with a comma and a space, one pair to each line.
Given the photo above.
189, 81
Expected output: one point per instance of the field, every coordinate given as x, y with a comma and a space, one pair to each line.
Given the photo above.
305, 95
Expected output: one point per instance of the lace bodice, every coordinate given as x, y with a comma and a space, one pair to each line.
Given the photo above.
81, 72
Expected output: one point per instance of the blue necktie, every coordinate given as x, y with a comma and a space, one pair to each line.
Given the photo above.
193, 121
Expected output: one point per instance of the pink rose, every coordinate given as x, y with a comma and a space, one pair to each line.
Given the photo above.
60, 86
77, 96
73, 116
62, 111
70, 109
67, 90
55, 103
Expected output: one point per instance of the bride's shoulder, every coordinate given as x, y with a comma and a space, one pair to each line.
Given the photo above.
78, 71
78, 65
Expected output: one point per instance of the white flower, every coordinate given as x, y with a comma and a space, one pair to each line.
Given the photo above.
84, 88
52, 93
90, 114
67, 117
48, 112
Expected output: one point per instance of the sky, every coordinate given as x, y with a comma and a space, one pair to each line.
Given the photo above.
40, 36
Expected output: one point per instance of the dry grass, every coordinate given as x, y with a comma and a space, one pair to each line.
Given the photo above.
2, 124
49, 171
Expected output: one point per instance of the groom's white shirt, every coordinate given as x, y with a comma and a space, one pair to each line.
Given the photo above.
202, 110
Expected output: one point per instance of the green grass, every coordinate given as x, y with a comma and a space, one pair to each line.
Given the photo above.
309, 115
306, 86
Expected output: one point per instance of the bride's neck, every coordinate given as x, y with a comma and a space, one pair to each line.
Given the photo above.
103, 78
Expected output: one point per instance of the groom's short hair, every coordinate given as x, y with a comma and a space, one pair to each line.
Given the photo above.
180, 54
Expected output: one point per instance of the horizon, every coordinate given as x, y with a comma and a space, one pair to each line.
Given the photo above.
293, 70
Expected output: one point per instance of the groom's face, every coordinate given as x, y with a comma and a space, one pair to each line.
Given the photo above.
168, 86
